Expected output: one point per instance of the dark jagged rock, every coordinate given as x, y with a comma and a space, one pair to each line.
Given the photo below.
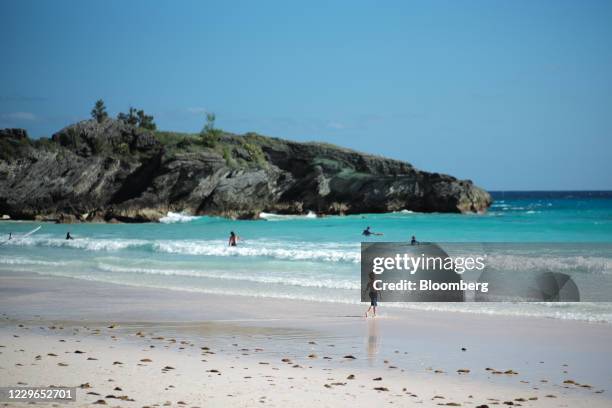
112, 171
17, 134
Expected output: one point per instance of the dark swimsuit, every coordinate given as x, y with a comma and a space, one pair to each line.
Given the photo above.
373, 298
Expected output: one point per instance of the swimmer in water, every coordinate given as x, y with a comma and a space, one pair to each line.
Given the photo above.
233, 239
367, 232
68, 236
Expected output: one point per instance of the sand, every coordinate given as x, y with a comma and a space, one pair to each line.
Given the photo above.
137, 347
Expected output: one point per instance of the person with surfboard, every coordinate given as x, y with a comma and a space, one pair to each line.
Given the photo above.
367, 232
68, 236
18, 237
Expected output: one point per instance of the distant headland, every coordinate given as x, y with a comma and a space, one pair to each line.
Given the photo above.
124, 170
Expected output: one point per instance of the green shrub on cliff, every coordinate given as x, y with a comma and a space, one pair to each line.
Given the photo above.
174, 142
12, 148
123, 149
227, 156
99, 111
137, 117
210, 135
257, 155
45, 143
98, 146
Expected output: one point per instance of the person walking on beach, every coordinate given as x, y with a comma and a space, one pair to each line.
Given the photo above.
373, 294
233, 239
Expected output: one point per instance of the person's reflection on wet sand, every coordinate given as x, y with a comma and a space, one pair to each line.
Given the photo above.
373, 340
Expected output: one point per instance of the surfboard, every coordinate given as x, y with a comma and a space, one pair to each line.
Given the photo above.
27, 234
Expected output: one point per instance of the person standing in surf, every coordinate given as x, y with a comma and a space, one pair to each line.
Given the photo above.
373, 294
233, 239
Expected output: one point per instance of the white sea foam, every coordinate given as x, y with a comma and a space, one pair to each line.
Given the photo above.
299, 251
566, 311
27, 261
173, 217
290, 252
404, 211
286, 280
550, 263
286, 217
303, 251
85, 243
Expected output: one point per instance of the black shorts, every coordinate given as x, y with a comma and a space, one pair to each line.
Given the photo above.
373, 299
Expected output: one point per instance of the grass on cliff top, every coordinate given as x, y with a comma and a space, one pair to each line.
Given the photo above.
237, 151
11, 149
240, 151
174, 138
180, 139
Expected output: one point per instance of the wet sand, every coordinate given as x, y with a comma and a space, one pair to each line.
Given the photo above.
127, 346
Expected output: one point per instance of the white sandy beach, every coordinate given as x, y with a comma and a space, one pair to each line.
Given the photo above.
135, 347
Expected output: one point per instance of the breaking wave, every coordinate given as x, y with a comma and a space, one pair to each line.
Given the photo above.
293, 251
172, 218
286, 280
286, 217
88, 244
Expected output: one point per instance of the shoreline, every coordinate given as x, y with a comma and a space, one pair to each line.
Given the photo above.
415, 307
267, 216
407, 348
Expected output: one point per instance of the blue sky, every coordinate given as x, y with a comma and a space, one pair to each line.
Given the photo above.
510, 94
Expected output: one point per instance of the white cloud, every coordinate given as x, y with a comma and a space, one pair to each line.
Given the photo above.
197, 110
336, 125
18, 117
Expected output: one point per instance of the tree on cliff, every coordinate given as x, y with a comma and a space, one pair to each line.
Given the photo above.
99, 111
209, 134
130, 118
145, 121
137, 117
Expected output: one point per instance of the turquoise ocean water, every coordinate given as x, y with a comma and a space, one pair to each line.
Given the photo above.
306, 257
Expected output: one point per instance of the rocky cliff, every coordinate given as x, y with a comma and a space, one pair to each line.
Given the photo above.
114, 171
